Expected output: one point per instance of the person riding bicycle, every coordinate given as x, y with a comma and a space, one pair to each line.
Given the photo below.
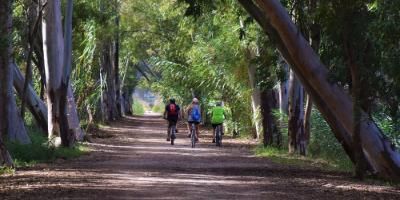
194, 116
217, 118
171, 113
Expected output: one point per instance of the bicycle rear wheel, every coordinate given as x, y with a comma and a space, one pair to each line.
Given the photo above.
173, 136
193, 138
218, 136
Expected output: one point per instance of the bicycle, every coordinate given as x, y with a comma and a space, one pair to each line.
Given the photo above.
218, 135
193, 135
173, 133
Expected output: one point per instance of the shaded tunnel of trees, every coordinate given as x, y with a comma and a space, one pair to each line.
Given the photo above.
273, 63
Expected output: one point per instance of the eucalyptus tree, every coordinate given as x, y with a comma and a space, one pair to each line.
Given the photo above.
314, 32
306, 64
5, 76
57, 55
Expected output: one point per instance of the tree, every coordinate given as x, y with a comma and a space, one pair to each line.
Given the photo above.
33, 101
315, 39
5, 76
57, 64
296, 115
313, 75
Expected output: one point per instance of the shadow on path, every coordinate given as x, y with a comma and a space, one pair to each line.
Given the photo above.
138, 163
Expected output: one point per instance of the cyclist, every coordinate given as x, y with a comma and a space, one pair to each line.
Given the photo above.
217, 118
194, 116
171, 113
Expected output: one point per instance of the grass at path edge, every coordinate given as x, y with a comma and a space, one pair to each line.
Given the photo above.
40, 152
281, 156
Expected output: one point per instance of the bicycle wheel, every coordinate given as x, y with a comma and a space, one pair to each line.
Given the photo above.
173, 136
218, 136
193, 138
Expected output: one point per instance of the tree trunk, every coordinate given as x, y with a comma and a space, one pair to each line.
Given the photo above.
38, 49
128, 102
116, 67
296, 115
315, 38
108, 72
56, 62
16, 126
357, 140
5, 77
103, 97
255, 96
123, 89
71, 130
337, 128
284, 88
73, 118
334, 104
307, 120
268, 119
34, 103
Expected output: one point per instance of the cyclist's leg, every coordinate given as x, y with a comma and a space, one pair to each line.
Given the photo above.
214, 131
197, 129
173, 124
189, 126
169, 130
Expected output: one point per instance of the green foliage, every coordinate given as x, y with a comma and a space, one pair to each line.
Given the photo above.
6, 170
138, 108
281, 156
323, 144
158, 108
40, 151
201, 55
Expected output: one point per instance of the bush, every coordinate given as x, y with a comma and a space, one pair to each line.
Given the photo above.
280, 155
39, 151
323, 144
158, 108
6, 170
138, 108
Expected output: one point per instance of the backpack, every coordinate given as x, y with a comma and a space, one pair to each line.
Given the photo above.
196, 116
172, 110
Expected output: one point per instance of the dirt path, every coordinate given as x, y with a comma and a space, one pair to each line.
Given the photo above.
137, 163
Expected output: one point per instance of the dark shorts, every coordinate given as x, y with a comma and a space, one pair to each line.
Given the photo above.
193, 122
215, 125
172, 122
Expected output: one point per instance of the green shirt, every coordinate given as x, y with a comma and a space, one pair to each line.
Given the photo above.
217, 115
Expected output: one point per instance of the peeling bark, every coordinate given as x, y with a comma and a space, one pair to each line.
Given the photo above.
57, 57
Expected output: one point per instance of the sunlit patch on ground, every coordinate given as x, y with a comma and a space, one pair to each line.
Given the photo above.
138, 163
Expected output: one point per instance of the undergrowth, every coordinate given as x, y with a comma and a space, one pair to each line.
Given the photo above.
283, 157
324, 151
138, 107
39, 151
